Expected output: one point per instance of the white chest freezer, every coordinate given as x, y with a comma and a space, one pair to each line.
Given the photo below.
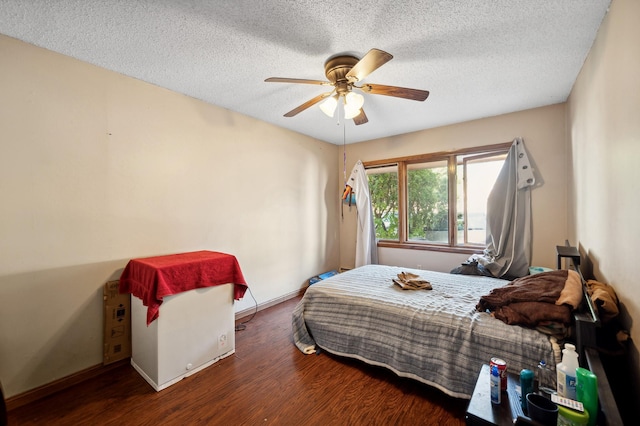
195, 329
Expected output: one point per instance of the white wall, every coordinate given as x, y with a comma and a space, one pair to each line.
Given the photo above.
604, 132
544, 134
97, 168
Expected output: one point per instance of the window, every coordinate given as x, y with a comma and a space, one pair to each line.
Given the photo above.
436, 201
476, 176
383, 187
428, 201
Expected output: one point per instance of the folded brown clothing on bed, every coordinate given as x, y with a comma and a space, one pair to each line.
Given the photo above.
406, 276
533, 313
409, 281
572, 293
545, 287
547, 296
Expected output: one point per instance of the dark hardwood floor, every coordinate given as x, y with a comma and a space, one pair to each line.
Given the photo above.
267, 381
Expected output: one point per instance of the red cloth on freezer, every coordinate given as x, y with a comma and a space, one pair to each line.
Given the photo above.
153, 278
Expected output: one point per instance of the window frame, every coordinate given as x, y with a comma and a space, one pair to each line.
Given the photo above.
452, 161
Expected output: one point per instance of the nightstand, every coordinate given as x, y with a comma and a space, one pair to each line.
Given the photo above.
482, 412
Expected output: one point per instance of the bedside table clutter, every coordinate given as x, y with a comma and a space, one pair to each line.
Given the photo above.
541, 409
481, 411
537, 408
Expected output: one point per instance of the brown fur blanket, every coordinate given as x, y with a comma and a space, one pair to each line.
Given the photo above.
535, 299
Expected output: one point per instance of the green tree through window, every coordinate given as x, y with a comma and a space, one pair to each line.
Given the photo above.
415, 198
427, 202
383, 187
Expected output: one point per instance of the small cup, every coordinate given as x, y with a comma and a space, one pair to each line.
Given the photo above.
542, 409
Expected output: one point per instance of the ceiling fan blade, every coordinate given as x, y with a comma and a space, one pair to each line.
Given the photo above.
296, 80
307, 104
398, 92
360, 118
374, 59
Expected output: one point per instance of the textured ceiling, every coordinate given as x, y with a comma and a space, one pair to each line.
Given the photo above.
477, 58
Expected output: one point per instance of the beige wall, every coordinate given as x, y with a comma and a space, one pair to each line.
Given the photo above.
543, 130
97, 168
604, 132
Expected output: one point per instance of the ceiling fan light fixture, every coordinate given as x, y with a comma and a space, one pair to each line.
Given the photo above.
354, 100
342, 72
352, 104
350, 112
328, 106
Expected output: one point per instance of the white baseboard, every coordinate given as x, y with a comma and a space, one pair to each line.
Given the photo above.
160, 386
269, 303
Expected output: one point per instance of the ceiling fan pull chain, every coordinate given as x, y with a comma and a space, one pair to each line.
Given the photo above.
344, 154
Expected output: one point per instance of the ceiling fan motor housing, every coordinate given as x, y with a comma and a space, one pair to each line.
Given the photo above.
336, 69
343, 71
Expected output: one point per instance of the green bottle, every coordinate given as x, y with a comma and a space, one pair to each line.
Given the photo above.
587, 392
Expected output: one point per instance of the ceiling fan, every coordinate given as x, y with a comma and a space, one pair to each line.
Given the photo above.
343, 72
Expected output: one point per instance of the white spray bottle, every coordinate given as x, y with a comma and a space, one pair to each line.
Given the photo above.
566, 372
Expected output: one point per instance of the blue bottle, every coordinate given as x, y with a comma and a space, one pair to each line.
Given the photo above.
495, 385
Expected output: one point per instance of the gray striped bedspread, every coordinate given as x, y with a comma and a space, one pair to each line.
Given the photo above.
434, 336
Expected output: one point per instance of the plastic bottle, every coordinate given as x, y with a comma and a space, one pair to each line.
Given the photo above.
569, 417
495, 385
566, 372
587, 392
526, 386
546, 378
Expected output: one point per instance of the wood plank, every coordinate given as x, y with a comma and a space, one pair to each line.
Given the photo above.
61, 384
267, 381
607, 403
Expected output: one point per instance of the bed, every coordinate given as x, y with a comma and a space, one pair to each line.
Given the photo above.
434, 336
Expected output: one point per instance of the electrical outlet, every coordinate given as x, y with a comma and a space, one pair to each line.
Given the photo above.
419, 266
222, 340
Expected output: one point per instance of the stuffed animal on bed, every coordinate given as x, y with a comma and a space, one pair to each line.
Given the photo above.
605, 298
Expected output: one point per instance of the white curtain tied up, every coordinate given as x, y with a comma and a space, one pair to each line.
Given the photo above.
508, 251
366, 245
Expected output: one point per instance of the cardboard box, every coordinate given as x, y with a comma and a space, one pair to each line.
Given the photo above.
117, 324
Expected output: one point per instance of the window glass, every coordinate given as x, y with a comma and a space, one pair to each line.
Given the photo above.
436, 200
476, 175
383, 187
428, 202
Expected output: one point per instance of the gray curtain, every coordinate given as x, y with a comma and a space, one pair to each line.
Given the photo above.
508, 251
